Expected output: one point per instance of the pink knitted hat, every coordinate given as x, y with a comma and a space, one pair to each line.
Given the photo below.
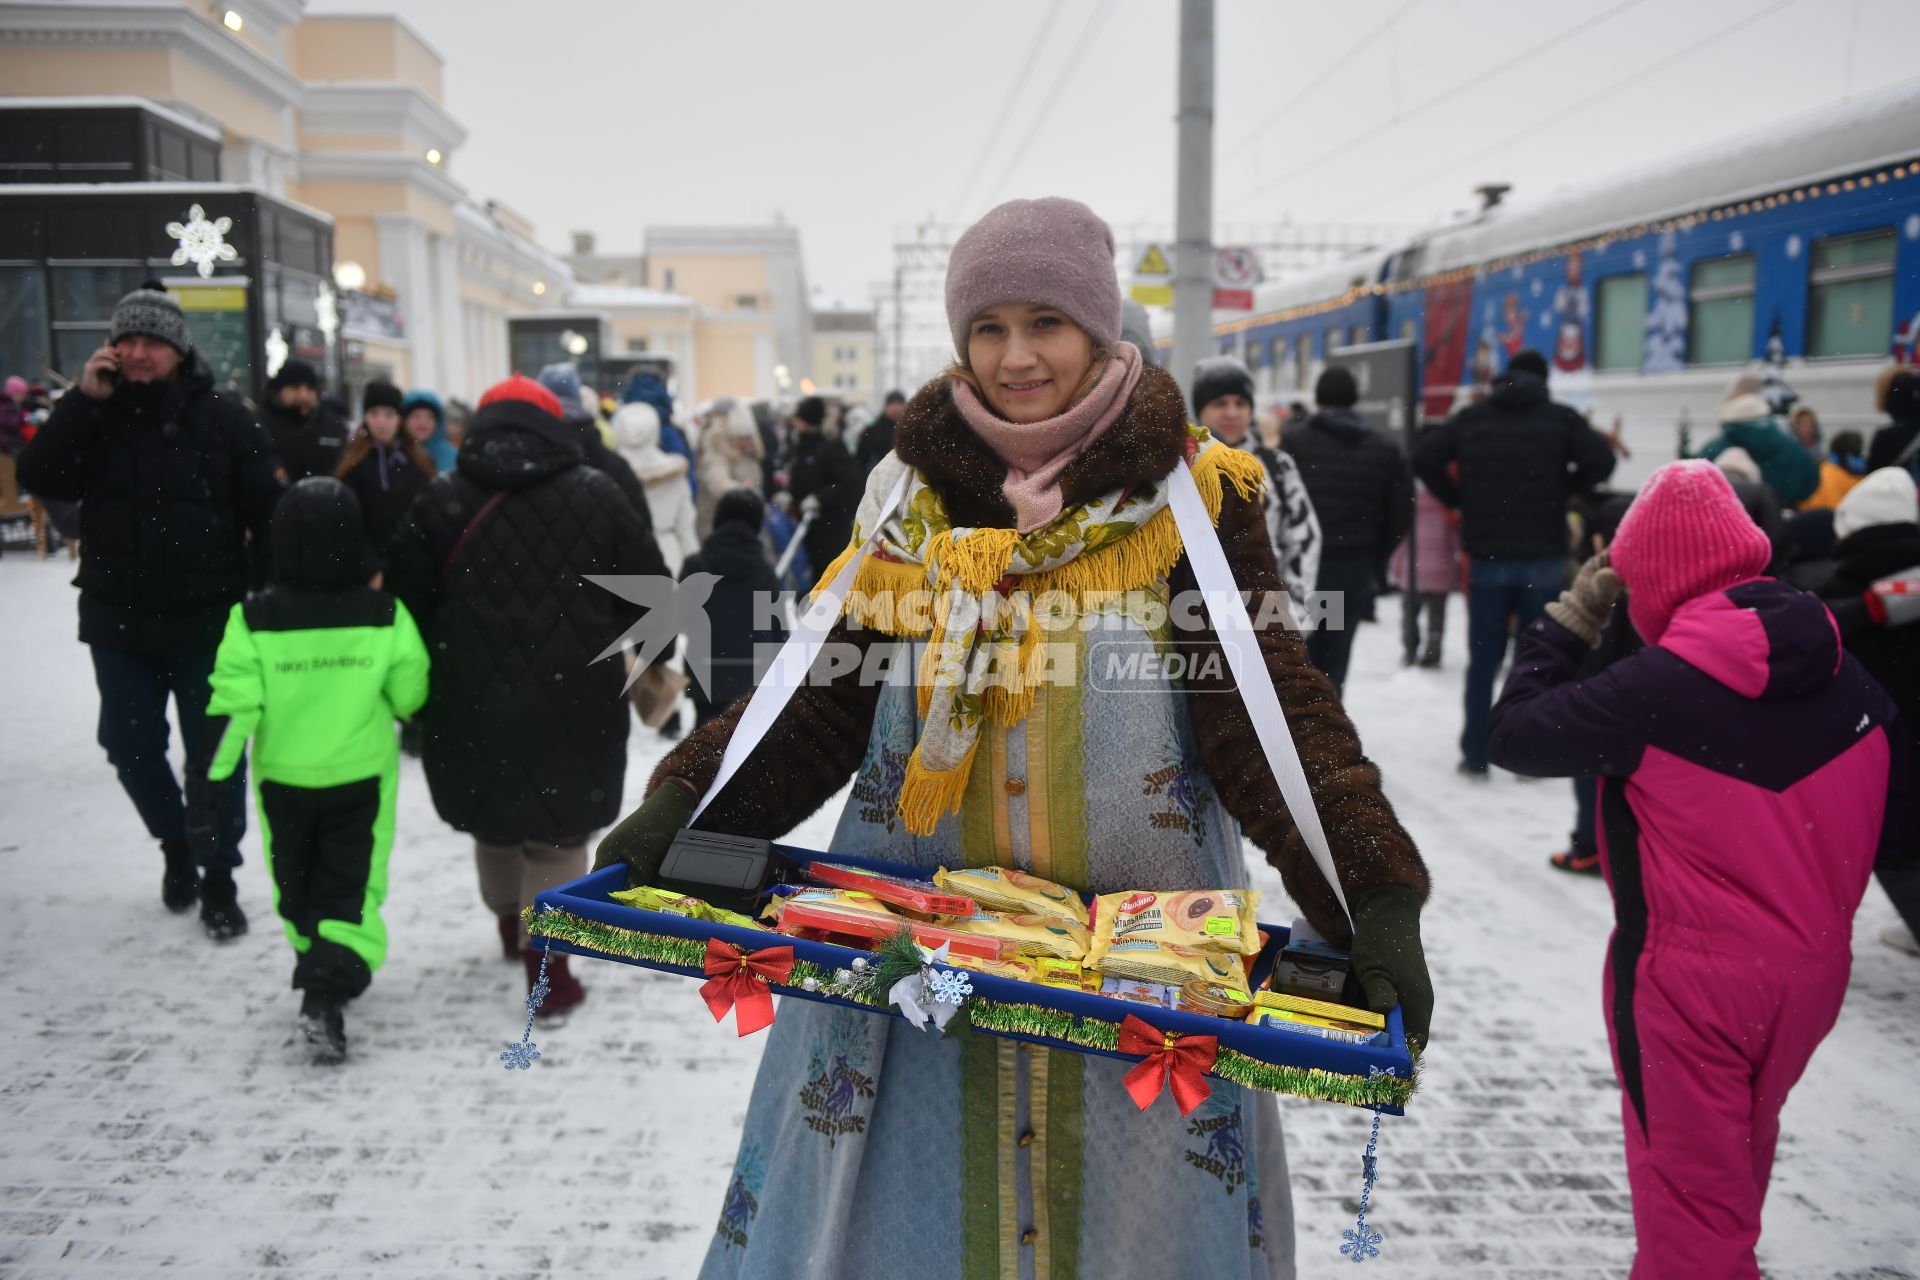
1051, 252
1685, 535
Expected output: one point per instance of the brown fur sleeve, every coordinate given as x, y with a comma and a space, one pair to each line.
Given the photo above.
1370, 847
812, 749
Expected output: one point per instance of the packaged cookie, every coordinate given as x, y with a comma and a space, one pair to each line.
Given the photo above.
1172, 965
1203, 919
1033, 935
1005, 889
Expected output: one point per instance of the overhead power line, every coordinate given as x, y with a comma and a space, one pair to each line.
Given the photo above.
1444, 96
1007, 102
1342, 65
1081, 43
1626, 82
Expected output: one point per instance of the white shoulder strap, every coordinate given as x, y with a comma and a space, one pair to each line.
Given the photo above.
796, 657
1230, 620
1242, 649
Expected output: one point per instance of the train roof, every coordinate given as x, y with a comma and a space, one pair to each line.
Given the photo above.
1876, 128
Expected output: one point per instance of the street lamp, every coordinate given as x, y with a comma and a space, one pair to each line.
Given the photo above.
433, 155
350, 275
574, 343
233, 21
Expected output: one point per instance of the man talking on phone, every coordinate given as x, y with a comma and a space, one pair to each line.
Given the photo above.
171, 476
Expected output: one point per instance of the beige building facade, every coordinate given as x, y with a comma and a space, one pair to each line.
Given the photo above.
844, 362
340, 113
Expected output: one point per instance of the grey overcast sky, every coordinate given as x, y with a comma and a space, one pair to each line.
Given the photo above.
854, 118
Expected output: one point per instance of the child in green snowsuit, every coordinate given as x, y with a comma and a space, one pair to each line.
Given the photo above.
316, 668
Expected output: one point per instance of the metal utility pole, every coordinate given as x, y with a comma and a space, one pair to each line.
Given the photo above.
1193, 194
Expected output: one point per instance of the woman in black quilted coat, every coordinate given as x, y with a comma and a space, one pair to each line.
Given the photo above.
526, 735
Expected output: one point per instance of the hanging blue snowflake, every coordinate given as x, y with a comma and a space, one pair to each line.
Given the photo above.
540, 990
522, 1055
949, 986
1361, 1243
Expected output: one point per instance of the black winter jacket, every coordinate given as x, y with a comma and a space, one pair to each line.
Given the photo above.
1891, 655
525, 732
1521, 458
735, 555
823, 469
306, 446
1890, 441
1357, 480
171, 478
610, 464
386, 482
875, 443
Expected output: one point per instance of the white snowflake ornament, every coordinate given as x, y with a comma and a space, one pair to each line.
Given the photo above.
277, 352
202, 242
327, 311
1360, 1245
949, 986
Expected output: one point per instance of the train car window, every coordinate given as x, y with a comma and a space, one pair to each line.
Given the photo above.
1620, 321
1850, 295
1720, 311
1303, 363
1282, 370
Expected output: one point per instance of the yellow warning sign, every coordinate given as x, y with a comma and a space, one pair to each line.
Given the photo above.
1152, 295
1153, 263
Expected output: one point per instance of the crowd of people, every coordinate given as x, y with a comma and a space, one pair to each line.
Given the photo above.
1739, 734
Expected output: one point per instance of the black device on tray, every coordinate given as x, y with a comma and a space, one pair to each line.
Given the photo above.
730, 872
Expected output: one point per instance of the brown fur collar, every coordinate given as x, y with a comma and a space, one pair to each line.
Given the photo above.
1144, 444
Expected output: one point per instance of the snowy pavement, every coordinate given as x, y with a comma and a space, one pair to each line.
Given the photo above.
158, 1115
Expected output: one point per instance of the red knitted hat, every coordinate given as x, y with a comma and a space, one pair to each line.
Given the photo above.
521, 388
1686, 535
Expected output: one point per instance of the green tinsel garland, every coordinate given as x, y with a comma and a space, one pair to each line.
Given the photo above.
994, 1015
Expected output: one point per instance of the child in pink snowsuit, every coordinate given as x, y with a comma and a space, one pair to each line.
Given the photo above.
1750, 770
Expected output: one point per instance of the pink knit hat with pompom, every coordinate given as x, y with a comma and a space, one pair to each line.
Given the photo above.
1685, 535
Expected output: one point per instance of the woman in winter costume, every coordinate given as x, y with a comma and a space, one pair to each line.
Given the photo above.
384, 466
730, 457
1036, 465
316, 669
1750, 772
1223, 404
636, 433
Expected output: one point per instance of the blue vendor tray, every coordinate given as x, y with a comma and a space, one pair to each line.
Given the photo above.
589, 898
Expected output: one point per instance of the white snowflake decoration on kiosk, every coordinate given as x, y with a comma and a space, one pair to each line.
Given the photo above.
327, 311
276, 352
202, 243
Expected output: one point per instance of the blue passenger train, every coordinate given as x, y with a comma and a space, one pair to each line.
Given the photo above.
1796, 249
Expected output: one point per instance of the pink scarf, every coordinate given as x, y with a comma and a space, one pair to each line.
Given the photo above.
1037, 452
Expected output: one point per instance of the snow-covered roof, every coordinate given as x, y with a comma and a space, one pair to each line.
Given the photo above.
624, 295
201, 127
158, 189
1878, 128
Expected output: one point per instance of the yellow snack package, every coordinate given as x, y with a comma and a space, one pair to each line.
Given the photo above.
1203, 919
670, 903
647, 898
1066, 974
1005, 889
1033, 935
1019, 969
1170, 964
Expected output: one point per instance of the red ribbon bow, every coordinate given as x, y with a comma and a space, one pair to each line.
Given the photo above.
1180, 1060
738, 980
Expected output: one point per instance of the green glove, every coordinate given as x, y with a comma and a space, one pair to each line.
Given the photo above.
642, 838
1583, 608
1389, 960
